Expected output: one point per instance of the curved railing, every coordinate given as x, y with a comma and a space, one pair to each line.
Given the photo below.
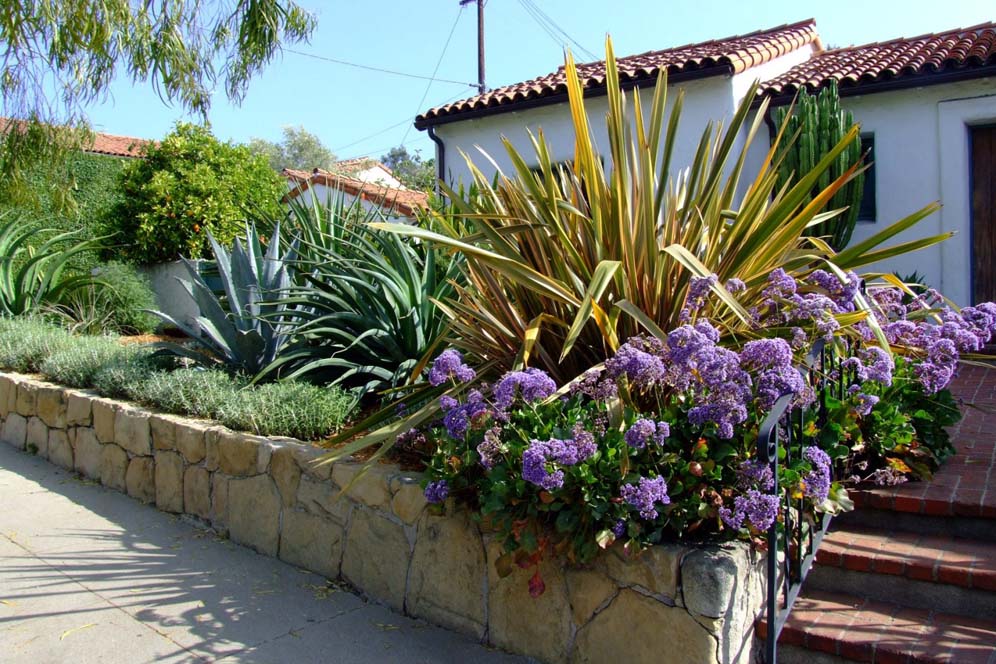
792, 547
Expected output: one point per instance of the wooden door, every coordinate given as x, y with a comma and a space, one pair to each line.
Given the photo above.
983, 167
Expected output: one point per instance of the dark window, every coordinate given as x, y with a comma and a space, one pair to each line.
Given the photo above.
868, 212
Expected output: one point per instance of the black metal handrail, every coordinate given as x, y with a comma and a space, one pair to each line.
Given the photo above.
791, 552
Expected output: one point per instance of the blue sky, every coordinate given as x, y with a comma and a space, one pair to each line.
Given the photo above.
358, 112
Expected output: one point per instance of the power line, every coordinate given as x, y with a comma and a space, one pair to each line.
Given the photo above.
438, 62
379, 69
552, 29
563, 32
410, 118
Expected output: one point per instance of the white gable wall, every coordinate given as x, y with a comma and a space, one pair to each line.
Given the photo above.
377, 175
705, 99
921, 156
325, 193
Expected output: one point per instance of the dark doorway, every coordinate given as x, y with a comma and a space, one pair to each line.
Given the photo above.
983, 175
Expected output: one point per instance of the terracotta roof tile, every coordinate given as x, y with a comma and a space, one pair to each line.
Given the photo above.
119, 146
730, 55
855, 66
402, 201
353, 166
109, 144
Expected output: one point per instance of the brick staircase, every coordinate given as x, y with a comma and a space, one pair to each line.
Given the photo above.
910, 576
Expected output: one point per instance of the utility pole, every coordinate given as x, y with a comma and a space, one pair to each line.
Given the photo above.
481, 87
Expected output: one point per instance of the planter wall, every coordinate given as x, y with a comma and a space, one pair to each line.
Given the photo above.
671, 604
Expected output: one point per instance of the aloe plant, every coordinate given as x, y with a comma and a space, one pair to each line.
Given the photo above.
367, 305
246, 329
33, 276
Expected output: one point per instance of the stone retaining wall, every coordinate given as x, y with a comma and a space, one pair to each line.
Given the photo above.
673, 603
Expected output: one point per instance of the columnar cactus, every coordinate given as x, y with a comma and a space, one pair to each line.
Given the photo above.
822, 123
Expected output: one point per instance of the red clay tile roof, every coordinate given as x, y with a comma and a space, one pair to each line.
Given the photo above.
954, 51
118, 146
109, 144
403, 201
731, 55
353, 166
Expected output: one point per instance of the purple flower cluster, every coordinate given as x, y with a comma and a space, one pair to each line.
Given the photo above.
758, 509
783, 303
644, 430
459, 417
594, 386
699, 289
619, 528
639, 361
720, 387
817, 480
864, 403
491, 447
735, 285
939, 344
755, 474
532, 384
888, 477
449, 365
771, 360
841, 293
781, 285
437, 492
540, 453
872, 363
646, 495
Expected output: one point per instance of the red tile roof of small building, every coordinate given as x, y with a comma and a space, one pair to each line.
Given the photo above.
118, 146
109, 144
354, 166
730, 55
403, 201
912, 59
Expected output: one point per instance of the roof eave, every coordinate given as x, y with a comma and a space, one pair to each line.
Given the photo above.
422, 123
904, 82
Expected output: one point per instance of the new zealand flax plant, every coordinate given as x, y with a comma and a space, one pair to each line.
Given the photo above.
563, 263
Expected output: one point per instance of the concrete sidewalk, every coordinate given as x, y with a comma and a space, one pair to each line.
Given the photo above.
90, 575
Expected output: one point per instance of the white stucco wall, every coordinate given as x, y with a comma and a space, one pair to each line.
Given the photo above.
921, 156
377, 175
709, 99
704, 100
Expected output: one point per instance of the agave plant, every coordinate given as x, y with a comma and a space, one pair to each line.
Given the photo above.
367, 307
564, 263
246, 329
36, 276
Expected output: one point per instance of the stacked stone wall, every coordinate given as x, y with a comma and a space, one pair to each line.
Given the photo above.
374, 530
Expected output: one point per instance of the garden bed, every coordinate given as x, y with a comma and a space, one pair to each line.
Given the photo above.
677, 603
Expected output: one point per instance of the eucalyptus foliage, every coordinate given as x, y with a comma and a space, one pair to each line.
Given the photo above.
61, 57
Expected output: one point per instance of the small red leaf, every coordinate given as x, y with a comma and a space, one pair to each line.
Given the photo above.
536, 585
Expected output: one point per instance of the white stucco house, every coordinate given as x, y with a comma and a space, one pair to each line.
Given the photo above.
366, 181
926, 106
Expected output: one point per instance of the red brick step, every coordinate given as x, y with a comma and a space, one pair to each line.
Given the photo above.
939, 558
861, 630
